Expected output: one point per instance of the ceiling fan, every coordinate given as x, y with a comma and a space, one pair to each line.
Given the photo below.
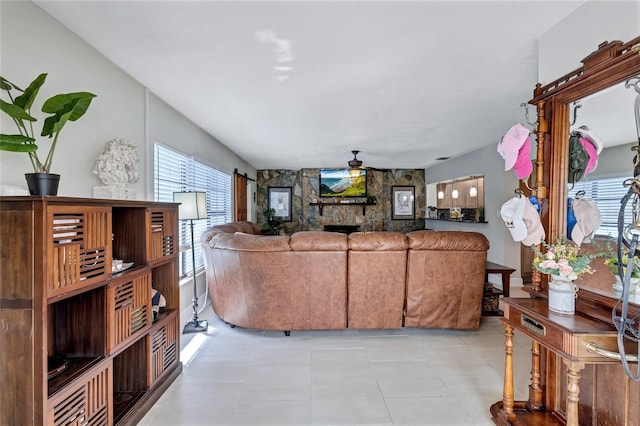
357, 164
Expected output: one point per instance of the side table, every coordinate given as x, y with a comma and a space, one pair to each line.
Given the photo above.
492, 294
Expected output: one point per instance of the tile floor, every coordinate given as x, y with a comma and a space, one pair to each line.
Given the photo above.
348, 377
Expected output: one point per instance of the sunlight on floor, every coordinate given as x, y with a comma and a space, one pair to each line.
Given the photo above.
192, 348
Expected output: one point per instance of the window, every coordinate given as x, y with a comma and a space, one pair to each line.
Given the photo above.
175, 172
606, 194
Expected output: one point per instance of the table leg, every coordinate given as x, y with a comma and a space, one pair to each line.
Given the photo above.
573, 391
506, 284
535, 390
507, 387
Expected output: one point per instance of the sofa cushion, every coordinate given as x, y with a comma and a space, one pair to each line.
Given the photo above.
318, 241
447, 240
378, 241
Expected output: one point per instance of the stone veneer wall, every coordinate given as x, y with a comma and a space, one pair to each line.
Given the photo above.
304, 190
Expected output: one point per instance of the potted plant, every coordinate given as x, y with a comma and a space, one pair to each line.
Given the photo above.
62, 107
481, 214
620, 270
564, 263
273, 223
432, 212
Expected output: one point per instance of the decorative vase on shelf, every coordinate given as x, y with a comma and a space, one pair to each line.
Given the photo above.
562, 295
617, 286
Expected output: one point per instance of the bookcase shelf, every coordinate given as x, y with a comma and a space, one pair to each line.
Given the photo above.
66, 305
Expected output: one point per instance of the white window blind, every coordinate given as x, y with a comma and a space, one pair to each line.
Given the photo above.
177, 172
606, 194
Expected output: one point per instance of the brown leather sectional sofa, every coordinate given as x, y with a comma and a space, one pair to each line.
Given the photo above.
314, 280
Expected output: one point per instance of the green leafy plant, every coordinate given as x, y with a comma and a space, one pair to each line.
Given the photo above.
612, 261
63, 108
272, 224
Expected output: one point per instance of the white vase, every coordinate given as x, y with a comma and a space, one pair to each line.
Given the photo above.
635, 285
562, 295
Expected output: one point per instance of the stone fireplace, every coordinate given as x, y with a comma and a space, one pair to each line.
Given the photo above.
307, 204
345, 229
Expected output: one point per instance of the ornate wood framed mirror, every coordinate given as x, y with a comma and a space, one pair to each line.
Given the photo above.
610, 65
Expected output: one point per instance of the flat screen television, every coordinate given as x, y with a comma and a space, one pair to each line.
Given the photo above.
345, 182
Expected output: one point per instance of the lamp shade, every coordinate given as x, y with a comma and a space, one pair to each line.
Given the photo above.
473, 191
193, 205
454, 193
440, 195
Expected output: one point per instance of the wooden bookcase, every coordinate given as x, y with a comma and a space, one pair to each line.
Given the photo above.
61, 304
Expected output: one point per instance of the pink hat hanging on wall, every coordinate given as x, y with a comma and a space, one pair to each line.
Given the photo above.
515, 149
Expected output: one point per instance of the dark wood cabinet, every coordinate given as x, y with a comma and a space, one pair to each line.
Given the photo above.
78, 343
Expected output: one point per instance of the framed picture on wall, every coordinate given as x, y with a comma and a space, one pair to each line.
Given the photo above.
402, 202
280, 201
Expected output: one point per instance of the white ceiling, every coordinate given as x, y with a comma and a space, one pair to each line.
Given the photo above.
300, 84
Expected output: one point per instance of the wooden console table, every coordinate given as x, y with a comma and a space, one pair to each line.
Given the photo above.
569, 384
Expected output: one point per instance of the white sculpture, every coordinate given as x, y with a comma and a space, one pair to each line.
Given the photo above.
117, 166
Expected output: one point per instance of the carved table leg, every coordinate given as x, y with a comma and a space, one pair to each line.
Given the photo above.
507, 387
573, 392
535, 391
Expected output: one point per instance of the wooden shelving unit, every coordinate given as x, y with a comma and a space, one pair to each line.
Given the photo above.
63, 305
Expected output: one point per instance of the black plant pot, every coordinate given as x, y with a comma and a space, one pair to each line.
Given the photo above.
42, 183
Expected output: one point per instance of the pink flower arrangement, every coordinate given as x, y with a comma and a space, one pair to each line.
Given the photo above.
563, 259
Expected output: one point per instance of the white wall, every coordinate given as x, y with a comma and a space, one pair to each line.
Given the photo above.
564, 45
32, 42
120, 109
561, 49
498, 188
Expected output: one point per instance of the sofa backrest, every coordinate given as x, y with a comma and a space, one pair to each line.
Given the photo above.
377, 241
447, 240
445, 279
318, 241
245, 227
377, 264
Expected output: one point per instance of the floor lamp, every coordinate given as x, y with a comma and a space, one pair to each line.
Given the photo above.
193, 206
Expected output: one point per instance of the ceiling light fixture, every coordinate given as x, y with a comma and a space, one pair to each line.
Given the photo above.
355, 163
454, 193
440, 195
473, 192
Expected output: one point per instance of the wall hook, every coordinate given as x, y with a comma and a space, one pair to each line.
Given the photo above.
526, 115
633, 82
576, 105
526, 184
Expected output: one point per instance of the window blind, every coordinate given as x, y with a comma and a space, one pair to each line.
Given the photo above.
606, 194
177, 172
